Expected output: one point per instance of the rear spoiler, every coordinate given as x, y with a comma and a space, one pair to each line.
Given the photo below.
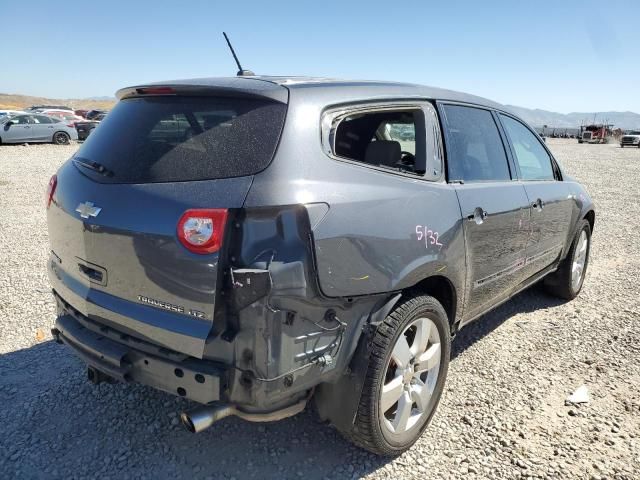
219, 87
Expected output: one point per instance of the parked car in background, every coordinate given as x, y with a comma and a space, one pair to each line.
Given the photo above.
27, 128
255, 244
35, 108
631, 138
91, 114
10, 113
85, 127
81, 113
63, 115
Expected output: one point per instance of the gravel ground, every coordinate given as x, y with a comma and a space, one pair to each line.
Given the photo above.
503, 413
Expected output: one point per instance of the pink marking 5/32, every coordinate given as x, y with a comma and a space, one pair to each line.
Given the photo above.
430, 237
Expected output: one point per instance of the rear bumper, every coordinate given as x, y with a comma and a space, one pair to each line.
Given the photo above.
194, 379
83, 133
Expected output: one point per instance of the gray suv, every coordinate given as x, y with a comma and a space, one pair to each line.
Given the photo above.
255, 244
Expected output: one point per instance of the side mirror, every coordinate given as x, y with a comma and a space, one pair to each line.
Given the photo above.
9, 123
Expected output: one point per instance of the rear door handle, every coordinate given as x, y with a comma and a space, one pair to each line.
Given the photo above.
479, 215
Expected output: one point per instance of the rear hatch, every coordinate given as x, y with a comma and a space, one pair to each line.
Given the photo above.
116, 255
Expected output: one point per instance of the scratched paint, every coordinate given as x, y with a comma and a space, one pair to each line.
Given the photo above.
364, 277
430, 237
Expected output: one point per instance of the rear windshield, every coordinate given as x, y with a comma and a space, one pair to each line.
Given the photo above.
173, 139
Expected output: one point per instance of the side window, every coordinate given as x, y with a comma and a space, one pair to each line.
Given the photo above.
475, 149
404, 139
532, 158
383, 138
43, 119
20, 120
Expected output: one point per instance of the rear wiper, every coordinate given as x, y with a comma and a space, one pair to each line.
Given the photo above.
95, 166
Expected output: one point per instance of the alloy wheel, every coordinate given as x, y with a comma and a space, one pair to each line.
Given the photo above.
579, 260
61, 138
411, 377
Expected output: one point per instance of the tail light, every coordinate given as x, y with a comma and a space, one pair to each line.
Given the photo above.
51, 189
201, 230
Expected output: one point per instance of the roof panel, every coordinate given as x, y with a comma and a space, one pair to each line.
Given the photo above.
331, 90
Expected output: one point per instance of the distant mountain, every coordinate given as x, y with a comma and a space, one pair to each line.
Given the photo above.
539, 118
102, 98
18, 102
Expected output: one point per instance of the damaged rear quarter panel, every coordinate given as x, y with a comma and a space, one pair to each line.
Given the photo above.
395, 233
280, 325
379, 233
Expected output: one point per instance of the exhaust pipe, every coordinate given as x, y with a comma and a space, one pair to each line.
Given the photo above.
203, 417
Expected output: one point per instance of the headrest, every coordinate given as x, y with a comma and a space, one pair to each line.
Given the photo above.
383, 152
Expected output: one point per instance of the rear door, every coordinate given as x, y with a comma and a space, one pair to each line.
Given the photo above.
549, 197
42, 128
113, 225
493, 203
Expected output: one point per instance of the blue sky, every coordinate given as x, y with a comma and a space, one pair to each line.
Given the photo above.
561, 56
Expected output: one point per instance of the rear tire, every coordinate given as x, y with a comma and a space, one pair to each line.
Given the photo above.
407, 370
567, 281
61, 138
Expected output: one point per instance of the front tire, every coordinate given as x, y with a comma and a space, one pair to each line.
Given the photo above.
567, 281
407, 370
61, 138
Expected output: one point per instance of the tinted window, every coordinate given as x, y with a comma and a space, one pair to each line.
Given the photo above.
43, 119
163, 139
531, 156
475, 149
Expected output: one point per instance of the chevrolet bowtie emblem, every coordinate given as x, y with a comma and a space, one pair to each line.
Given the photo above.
88, 209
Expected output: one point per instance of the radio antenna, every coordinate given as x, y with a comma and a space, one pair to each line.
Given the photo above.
241, 72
